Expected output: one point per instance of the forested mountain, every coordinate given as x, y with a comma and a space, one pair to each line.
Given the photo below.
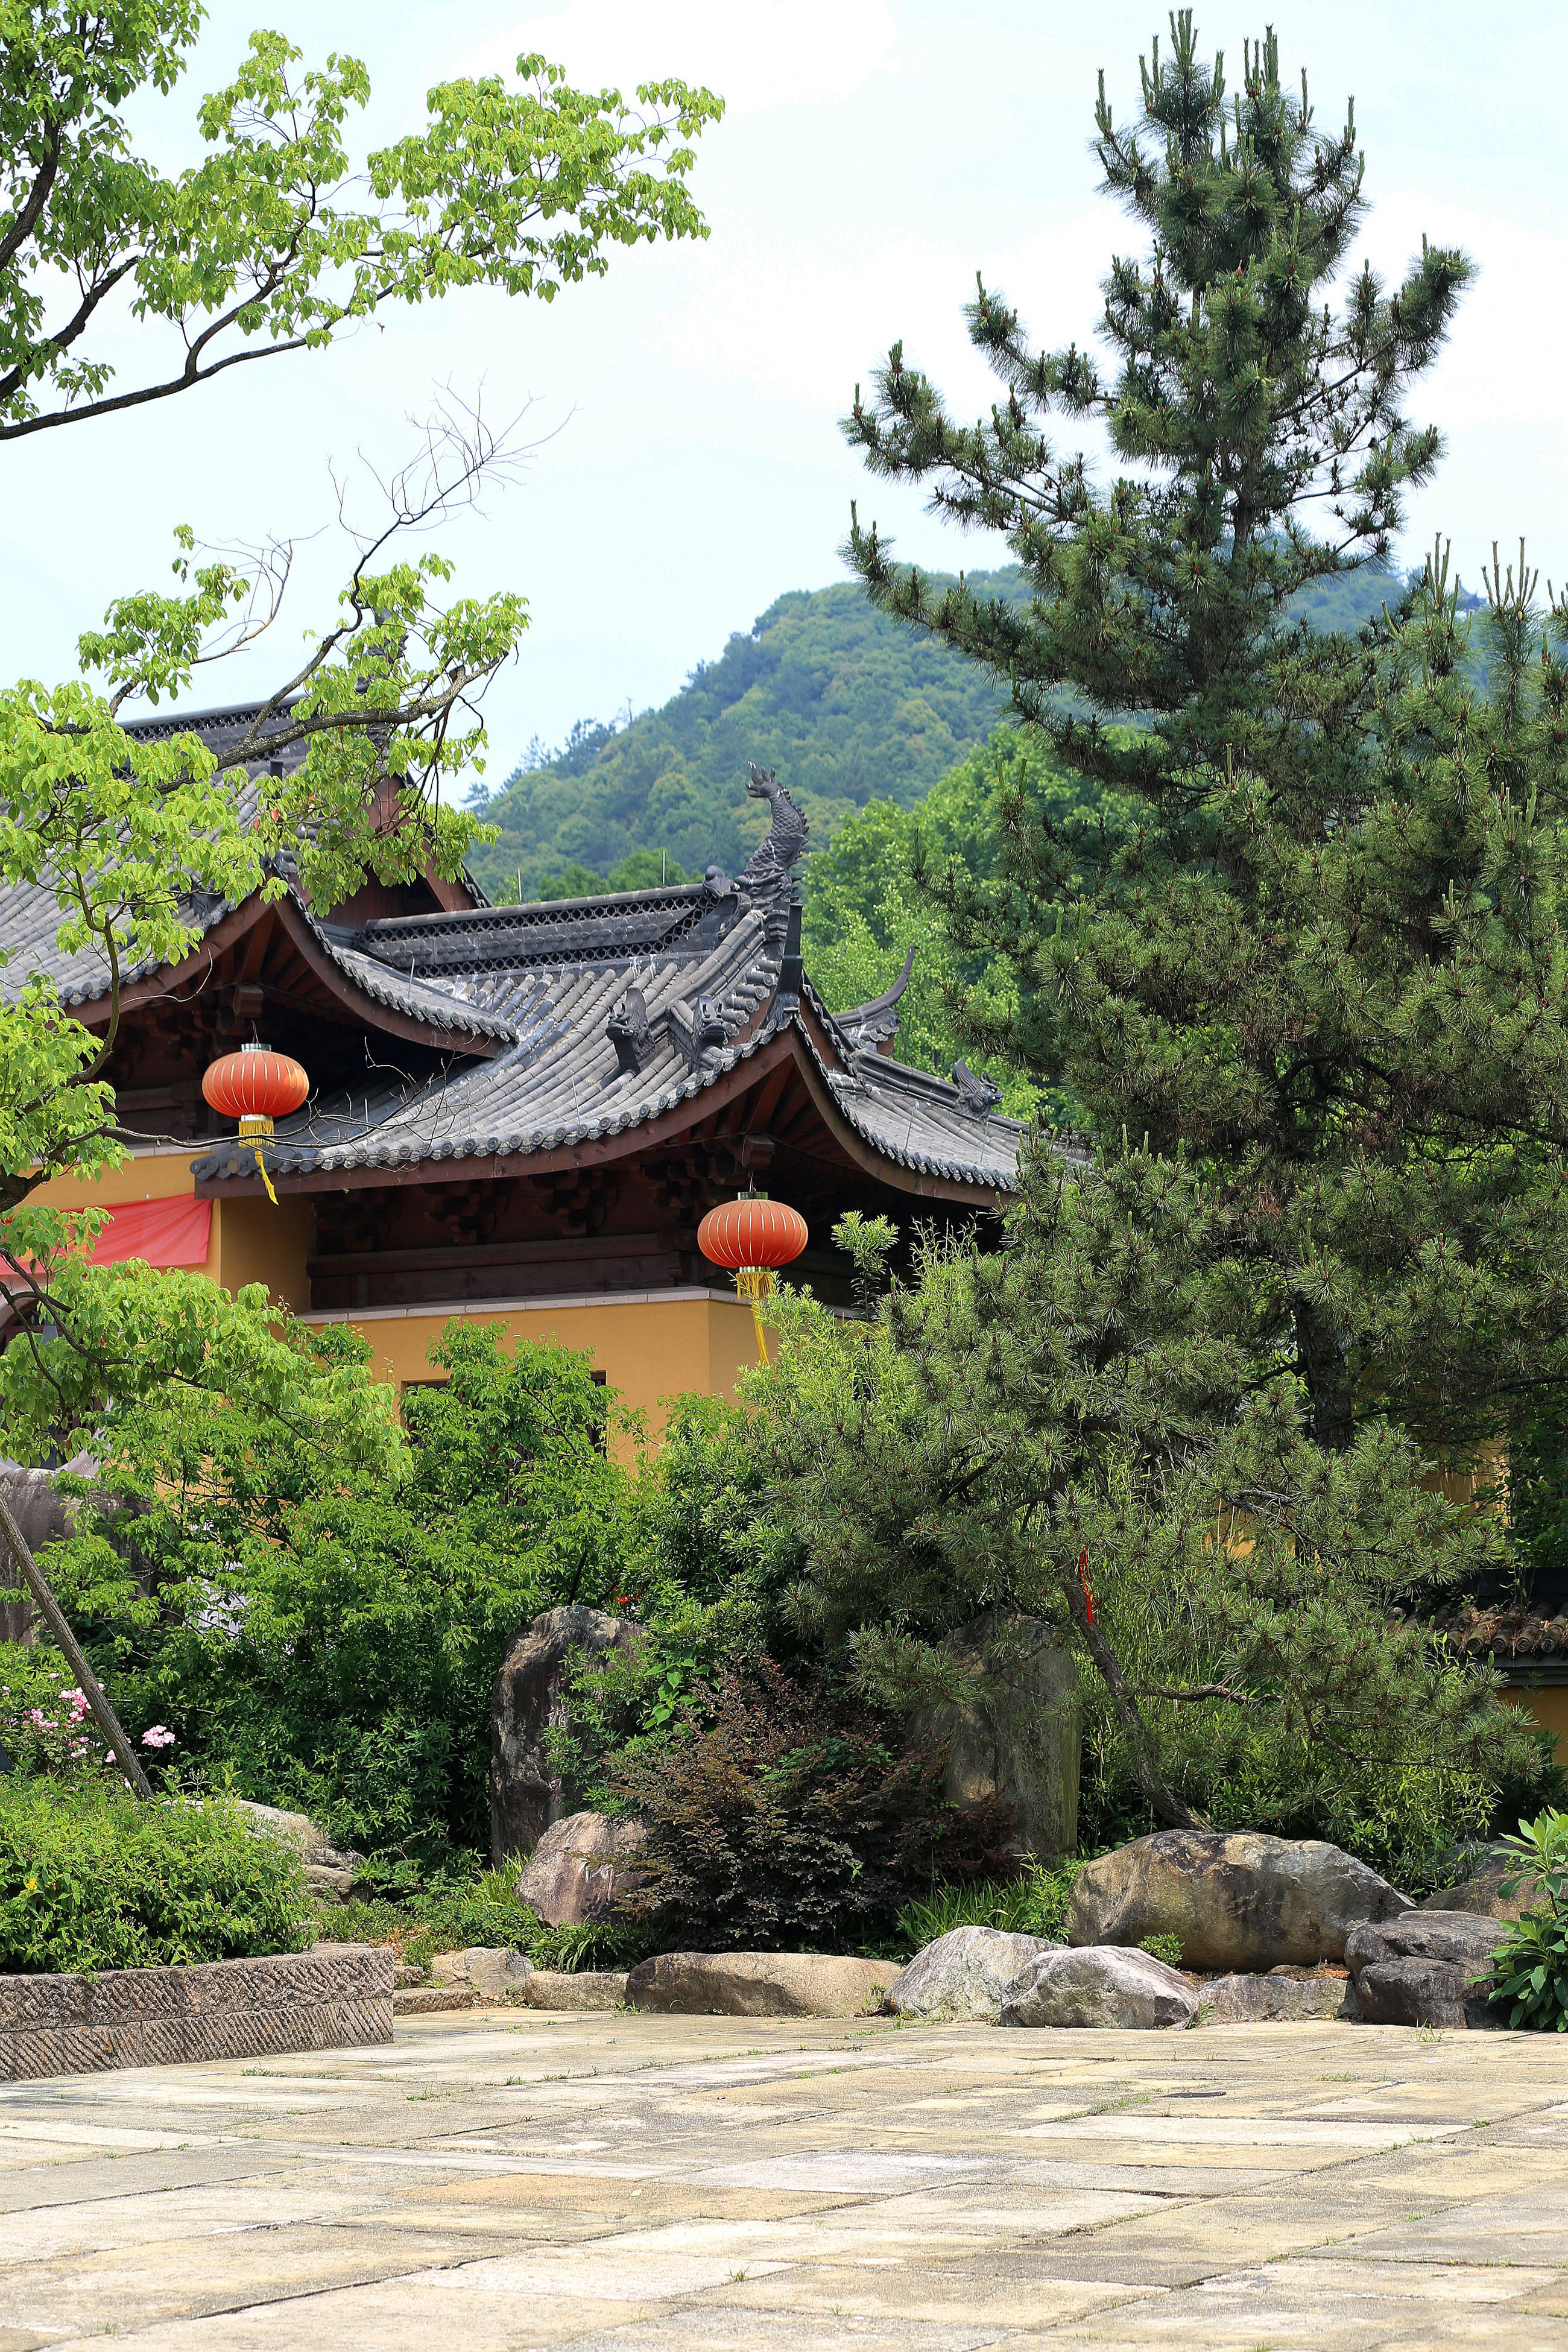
847, 704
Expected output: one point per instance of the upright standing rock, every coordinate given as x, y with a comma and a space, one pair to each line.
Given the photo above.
1018, 1733
527, 1794
580, 1869
42, 1513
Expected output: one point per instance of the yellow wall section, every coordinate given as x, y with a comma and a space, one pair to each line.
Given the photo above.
648, 1348
1550, 1709
258, 1243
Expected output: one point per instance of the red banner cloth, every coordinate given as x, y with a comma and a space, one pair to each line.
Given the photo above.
161, 1233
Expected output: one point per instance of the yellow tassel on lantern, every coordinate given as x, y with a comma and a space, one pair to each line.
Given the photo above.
753, 1283
254, 1126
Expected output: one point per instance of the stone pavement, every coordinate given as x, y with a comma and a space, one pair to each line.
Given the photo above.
625, 2183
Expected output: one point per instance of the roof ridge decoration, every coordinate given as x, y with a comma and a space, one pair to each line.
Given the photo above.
977, 1094
769, 872
877, 1024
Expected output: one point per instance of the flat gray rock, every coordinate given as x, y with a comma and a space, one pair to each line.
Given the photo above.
1100, 1985
761, 1984
1277, 2001
1420, 1969
968, 1972
575, 1989
1237, 1902
492, 1971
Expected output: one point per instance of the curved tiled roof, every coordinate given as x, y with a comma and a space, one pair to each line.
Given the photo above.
716, 964
562, 1084
1521, 1631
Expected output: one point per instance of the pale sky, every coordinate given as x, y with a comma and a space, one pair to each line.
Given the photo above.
875, 154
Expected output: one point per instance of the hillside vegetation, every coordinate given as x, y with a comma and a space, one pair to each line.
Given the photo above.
849, 706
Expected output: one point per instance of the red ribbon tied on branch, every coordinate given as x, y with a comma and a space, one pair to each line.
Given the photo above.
1083, 1579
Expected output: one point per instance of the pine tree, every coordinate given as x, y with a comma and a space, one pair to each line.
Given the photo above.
1312, 999
1326, 968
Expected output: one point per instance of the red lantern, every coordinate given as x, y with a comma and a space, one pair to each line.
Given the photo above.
256, 1086
752, 1236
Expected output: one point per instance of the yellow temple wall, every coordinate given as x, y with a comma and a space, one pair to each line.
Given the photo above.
650, 1346
1549, 1707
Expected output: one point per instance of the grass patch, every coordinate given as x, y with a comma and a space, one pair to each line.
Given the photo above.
1032, 1905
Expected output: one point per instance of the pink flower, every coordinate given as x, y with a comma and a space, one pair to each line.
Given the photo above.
158, 1737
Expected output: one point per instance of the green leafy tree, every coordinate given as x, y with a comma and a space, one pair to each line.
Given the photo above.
277, 239
1326, 962
314, 1602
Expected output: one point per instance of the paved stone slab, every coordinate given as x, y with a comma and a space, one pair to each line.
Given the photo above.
495, 2179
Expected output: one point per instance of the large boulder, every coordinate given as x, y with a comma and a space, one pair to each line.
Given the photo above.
1420, 1969
329, 1869
580, 1869
969, 1972
531, 1699
1103, 1986
1019, 1732
43, 1514
1236, 1901
760, 1984
1481, 1893
1294, 1999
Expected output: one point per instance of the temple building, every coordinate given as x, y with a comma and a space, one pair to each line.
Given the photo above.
517, 1112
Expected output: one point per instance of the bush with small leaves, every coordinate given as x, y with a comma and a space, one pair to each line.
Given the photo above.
1530, 1968
89, 1878
798, 1819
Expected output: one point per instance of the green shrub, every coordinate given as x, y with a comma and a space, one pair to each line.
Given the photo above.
1164, 1947
451, 1912
1034, 1903
1530, 1968
796, 1819
91, 1879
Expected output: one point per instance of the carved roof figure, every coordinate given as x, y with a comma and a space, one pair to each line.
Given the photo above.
768, 876
629, 1032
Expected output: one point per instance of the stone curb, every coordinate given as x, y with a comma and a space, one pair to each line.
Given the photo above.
220, 2009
